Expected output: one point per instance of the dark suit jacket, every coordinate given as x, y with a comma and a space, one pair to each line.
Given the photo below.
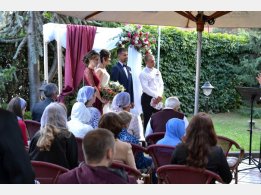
15, 166
38, 109
159, 119
118, 74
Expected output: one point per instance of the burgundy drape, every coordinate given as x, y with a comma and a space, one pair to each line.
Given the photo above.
79, 41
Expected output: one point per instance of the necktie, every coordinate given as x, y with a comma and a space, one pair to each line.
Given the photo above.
125, 69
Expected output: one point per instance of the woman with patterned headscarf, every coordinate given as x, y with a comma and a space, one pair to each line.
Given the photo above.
54, 143
17, 105
87, 96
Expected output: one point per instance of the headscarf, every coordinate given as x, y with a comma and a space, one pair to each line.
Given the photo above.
85, 93
55, 115
120, 101
22, 103
175, 130
80, 113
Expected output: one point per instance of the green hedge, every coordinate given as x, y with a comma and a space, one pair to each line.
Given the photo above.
220, 60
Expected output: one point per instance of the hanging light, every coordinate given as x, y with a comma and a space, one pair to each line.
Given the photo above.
207, 88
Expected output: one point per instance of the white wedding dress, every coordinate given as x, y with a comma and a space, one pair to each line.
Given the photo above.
104, 82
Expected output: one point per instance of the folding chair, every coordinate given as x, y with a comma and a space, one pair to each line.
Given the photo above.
80, 150
182, 174
154, 137
32, 127
47, 173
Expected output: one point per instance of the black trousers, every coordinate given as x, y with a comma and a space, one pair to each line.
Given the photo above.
147, 109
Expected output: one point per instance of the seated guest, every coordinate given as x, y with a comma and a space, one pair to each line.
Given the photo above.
99, 149
15, 166
53, 142
80, 116
17, 105
87, 96
123, 151
122, 102
141, 161
175, 130
50, 92
158, 120
200, 148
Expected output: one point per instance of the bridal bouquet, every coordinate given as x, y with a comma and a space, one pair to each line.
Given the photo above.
108, 92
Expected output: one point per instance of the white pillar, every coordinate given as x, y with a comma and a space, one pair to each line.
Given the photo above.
59, 60
158, 58
46, 61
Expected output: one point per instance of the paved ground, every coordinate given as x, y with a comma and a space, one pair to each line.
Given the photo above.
249, 176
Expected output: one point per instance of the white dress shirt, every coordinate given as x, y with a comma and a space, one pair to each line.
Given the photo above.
125, 69
151, 82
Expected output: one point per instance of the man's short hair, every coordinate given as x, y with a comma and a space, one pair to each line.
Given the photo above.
50, 89
121, 49
147, 57
172, 102
96, 143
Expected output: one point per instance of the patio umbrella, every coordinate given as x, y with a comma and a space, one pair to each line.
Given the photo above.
185, 19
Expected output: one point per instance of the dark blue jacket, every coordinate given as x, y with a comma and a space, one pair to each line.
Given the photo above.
118, 74
38, 109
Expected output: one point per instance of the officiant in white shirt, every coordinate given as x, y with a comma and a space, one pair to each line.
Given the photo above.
152, 87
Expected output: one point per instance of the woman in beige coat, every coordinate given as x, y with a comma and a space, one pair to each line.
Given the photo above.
123, 154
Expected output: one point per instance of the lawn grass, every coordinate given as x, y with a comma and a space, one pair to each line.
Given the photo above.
235, 126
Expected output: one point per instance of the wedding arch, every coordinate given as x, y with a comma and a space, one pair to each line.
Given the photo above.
103, 38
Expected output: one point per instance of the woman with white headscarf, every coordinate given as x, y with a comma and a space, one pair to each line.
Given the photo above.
121, 102
54, 143
87, 96
80, 116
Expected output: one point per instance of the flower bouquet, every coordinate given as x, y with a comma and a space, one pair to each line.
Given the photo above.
133, 35
108, 92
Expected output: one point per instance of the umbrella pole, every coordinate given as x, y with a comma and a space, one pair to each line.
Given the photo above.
200, 27
198, 63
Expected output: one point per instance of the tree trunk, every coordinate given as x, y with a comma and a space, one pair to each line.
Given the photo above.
33, 60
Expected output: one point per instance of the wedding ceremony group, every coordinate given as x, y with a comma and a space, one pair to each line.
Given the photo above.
105, 108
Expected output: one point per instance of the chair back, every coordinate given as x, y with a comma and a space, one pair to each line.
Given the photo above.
137, 149
80, 150
130, 171
233, 161
47, 173
182, 174
226, 144
154, 137
160, 154
32, 127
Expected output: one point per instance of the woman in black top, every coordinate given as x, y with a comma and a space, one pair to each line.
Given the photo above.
54, 143
200, 148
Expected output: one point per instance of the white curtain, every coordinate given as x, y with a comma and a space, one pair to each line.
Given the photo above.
105, 38
134, 62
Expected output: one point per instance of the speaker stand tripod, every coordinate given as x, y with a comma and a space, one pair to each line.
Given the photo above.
252, 94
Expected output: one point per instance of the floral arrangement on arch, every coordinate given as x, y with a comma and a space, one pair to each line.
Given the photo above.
133, 35
108, 92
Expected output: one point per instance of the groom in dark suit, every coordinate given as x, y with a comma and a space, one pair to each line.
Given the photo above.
122, 73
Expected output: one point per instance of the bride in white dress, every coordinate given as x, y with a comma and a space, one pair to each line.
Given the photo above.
103, 75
